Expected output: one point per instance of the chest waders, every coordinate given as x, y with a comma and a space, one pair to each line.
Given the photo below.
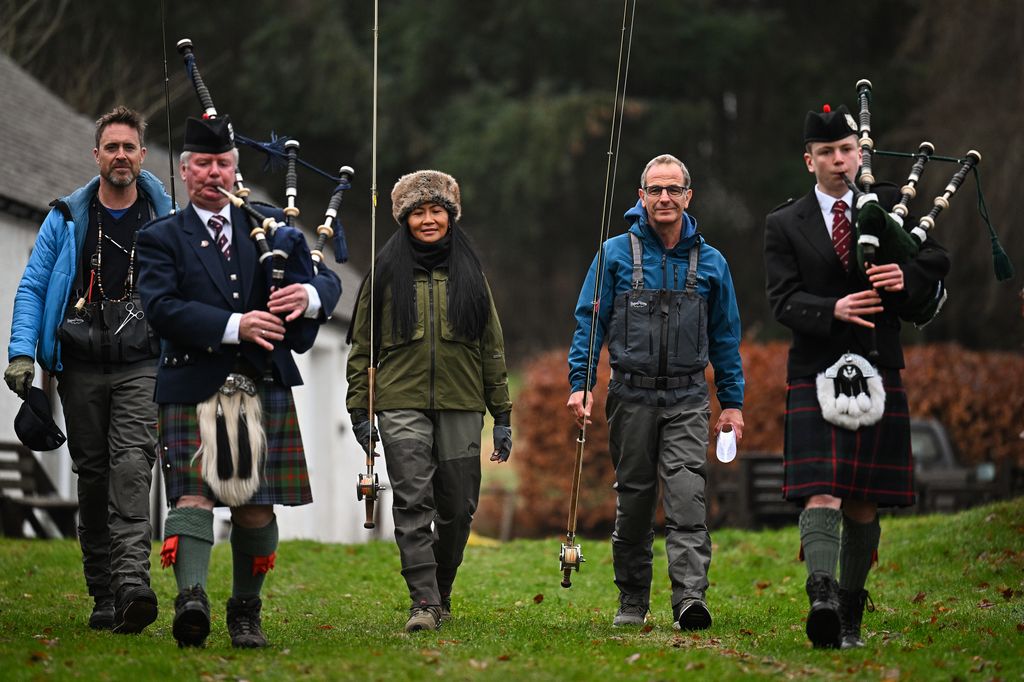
658, 338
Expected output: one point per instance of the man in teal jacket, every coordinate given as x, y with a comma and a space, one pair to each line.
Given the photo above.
667, 306
85, 252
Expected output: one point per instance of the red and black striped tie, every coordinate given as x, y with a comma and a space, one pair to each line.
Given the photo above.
841, 233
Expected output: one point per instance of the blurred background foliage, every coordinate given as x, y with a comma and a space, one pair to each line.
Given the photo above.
515, 100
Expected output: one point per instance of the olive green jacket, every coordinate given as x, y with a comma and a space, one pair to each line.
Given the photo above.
436, 369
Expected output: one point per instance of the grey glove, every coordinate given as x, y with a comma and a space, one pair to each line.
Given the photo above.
502, 436
362, 428
19, 375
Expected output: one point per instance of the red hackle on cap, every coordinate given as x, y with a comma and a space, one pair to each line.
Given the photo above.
825, 109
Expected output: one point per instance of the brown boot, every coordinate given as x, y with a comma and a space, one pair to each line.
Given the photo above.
823, 623
423, 618
244, 623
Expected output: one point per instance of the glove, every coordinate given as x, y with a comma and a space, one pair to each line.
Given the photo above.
19, 375
362, 428
502, 436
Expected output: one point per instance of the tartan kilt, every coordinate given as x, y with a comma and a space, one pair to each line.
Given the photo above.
284, 478
873, 463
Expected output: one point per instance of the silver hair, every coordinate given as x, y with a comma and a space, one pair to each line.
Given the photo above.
667, 159
185, 156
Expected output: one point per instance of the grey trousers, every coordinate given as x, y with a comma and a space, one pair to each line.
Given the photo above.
433, 461
111, 422
649, 444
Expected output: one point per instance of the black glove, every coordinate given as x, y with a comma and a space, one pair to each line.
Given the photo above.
362, 428
502, 436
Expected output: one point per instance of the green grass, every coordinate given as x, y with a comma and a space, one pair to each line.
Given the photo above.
949, 593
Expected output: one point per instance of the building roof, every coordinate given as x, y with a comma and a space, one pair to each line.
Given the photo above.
47, 145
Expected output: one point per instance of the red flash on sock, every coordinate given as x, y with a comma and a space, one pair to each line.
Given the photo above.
263, 564
169, 552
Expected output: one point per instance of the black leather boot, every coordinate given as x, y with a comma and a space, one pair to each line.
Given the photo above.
823, 624
851, 611
191, 617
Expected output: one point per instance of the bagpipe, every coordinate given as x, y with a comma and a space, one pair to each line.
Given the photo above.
284, 252
886, 236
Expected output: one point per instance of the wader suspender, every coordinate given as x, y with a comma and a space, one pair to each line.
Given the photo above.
638, 265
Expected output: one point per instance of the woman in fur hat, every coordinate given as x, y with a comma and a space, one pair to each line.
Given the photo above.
440, 361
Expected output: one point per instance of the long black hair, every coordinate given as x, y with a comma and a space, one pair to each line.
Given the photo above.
469, 306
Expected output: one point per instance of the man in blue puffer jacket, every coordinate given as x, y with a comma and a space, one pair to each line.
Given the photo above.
85, 252
667, 307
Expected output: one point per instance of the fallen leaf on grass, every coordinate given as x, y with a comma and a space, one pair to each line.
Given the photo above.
38, 657
326, 627
1007, 593
694, 665
763, 584
477, 665
918, 598
633, 659
891, 675
1020, 627
647, 628
538, 598
985, 604
504, 657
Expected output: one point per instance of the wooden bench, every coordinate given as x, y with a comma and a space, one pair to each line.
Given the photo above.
25, 489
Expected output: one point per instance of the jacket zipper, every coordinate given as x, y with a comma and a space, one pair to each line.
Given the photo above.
433, 349
663, 301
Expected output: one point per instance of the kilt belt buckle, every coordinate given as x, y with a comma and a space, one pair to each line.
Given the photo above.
851, 393
238, 382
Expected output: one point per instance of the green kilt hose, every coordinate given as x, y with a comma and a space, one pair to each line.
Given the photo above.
283, 478
873, 463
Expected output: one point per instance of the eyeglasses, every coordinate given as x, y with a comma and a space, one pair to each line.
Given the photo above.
673, 190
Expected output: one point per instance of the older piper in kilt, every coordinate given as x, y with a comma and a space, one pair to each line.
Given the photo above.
841, 468
228, 428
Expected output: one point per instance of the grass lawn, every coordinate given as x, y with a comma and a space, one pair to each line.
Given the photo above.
949, 593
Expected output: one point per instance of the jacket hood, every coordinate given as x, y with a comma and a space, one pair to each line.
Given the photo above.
637, 219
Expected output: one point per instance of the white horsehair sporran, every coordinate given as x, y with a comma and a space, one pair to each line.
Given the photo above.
851, 393
232, 440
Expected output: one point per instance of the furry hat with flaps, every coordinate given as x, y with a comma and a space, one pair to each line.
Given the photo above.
418, 188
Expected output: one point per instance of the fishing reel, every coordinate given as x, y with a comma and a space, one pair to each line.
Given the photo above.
570, 558
367, 488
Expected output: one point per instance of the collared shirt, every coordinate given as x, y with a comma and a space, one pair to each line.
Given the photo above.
826, 202
231, 330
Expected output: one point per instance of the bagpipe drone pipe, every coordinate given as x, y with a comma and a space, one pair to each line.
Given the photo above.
283, 248
891, 236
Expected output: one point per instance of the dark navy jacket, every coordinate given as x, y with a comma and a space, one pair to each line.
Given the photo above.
188, 299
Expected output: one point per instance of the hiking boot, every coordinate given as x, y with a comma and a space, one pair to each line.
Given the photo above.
630, 614
245, 624
691, 614
446, 609
851, 611
102, 617
191, 617
135, 608
423, 618
823, 618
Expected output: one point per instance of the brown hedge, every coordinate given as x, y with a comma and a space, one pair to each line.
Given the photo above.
978, 396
